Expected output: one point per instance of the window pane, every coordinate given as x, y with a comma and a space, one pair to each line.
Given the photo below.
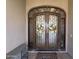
40, 29
53, 30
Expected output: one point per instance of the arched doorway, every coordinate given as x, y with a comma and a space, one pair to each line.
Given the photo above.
46, 28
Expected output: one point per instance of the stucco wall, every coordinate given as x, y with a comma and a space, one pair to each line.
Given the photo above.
58, 3
15, 24
70, 27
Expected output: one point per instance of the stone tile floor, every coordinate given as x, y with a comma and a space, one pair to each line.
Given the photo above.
59, 56
64, 56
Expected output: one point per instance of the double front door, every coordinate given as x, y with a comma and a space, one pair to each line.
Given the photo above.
46, 31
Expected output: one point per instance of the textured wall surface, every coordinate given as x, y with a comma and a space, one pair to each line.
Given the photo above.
15, 24
70, 27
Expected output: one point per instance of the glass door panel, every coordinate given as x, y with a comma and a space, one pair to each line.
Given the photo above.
40, 30
53, 24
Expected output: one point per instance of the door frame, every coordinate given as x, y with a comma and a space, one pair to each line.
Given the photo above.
53, 13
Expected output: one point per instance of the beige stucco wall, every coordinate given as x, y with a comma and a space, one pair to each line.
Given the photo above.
58, 3
70, 27
15, 24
